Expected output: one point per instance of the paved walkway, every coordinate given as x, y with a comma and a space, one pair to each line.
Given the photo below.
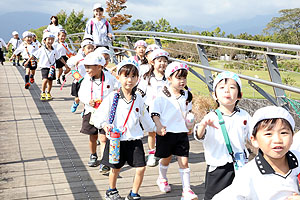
43, 155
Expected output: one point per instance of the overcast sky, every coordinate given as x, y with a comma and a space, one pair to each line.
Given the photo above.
202, 13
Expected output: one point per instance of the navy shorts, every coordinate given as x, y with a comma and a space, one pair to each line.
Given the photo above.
59, 64
45, 73
30, 66
75, 89
172, 144
89, 129
131, 152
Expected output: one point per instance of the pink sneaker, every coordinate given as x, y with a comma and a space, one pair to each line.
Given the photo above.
163, 185
189, 195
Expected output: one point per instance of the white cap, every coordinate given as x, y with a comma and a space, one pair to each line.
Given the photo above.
86, 42
271, 112
88, 36
152, 47
175, 66
62, 30
33, 34
15, 33
48, 35
27, 34
97, 5
103, 50
140, 43
129, 61
94, 59
225, 75
159, 53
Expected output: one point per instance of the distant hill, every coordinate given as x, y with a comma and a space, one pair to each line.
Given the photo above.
21, 21
251, 26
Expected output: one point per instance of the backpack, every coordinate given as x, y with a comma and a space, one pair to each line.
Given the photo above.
92, 26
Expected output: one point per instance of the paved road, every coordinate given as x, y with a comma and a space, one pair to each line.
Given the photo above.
43, 155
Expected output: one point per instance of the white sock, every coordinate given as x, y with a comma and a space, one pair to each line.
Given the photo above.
163, 171
185, 178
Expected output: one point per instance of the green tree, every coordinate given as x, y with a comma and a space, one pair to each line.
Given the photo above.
74, 23
116, 20
162, 25
286, 27
137, 25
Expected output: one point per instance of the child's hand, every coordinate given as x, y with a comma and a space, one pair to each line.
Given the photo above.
26, 63
92, 103
161, 130
107, 128
294, 197
208, 120
109, 35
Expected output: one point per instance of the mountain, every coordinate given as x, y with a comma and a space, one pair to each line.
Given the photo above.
21, 21
251, 26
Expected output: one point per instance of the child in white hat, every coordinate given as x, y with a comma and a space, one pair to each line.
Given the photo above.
149, 86
144, 68
95, 87
169, 111
140, 48
224, 143
274, 173
15, 41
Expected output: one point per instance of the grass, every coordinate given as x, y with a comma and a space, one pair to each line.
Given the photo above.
198, 87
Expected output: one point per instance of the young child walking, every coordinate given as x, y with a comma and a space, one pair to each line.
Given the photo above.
15, 41
2, 46
168, 112
27, 48
129, 110
47, 57
220, 161
150, 86
144, 68
35, 41
62, 48
95, 87
76, 62
274, 172
140, 48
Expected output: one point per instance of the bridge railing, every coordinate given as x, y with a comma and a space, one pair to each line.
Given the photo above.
271, 52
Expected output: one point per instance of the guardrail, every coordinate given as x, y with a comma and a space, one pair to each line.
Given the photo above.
201, 42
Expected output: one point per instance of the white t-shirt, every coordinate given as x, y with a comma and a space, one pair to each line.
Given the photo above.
91, 89
31, 48
296, 142
15, 42
138, 114
72, 62
2, 43
237, 126
54, 29
37, 43
45, 57
171, 110
61, 49
257, 180
144, 69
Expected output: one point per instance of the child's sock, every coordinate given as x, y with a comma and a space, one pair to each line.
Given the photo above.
115, 189
31, 75
94, 154
151, 151
26, 78
185, 178
163, 171
133, 194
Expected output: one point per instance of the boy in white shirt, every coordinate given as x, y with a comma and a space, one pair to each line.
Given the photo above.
2, 44
15, 41
274, 174
220, 161
129, 111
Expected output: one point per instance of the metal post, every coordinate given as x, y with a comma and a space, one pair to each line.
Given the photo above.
129, 41
204, 61
158, 42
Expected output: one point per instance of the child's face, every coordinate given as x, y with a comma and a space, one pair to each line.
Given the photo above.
98, 13
49, 41
28, 40
274, 143
93, 70
88, 49
16, 36
127, 82
107, 59
227, 92
160, 64
61, 37
177, 83
140, 51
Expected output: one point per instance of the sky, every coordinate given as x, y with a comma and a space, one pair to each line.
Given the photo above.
201, 13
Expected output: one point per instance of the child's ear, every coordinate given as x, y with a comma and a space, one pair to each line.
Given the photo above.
169, 78
151, 62
254, 141
117, 77
214, 96
241, 96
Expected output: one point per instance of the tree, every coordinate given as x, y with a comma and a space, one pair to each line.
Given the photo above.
285, 28
137, 25
117, 20
162, 25
74, 23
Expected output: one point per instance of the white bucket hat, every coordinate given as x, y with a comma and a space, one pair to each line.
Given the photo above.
27, 34
175, 66
225, 75
48, 35
94, 59
15, 33
129, 61
159, 53
97, 5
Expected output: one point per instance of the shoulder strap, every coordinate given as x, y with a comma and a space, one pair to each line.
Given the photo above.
114, 107
92, 26
106, 24
225, 134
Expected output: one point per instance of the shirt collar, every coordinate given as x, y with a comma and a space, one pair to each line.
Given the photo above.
265, 168
133, 95
153, 75
102, 74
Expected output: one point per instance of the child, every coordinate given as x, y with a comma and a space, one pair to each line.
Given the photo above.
140, 48
47, 57
34, 40
77, 62
168, 112
146, 67
27, 48
150, 85
274, 172
15, 41
62, 48
94, 88
220, 167
2, 44
129, 111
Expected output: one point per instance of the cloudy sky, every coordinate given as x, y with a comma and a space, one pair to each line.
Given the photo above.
203, 13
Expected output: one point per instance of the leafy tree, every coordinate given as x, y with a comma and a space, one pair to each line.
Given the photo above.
74, 23
117, 20
137, 25
162, 25
286, 27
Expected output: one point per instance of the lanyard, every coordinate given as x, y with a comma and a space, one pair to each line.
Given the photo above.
101, 87
76, 66
48, 55
128, 113
27, 51
66, 48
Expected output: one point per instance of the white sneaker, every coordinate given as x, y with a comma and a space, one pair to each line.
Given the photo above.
152, 162
163, 185
189, 195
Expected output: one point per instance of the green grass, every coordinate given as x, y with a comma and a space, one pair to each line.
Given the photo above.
199, 87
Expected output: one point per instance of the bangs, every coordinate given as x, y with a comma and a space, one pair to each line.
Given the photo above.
182, 73
269, 124
127, 69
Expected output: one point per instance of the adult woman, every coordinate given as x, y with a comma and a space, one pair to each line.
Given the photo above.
99, 27
54, 27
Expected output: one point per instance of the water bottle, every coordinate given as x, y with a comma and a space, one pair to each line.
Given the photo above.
114, 146
51, 72
33, 63
190, 121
